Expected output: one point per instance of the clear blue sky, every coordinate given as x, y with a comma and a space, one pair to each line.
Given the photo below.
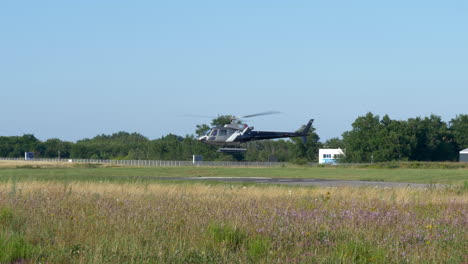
76, 69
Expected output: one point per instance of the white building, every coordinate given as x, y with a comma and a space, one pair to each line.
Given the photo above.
464, 155
329, 156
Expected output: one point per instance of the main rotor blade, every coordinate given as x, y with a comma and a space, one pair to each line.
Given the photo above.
189, 115
259, 114
235, 117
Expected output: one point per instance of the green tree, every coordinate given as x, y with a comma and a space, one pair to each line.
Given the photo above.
431, 140
264, 149
334, 143
202, 129
459, 129
14, 147
222, 120
420, 139
120, 145
307, 150
54, 147
390, 140
361, 142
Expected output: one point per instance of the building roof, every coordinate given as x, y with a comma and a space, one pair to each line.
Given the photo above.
465, 151
338, 150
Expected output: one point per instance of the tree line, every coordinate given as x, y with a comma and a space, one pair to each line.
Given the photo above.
375, 139
371, 139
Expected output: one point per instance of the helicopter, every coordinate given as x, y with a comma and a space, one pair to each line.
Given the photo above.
230, 136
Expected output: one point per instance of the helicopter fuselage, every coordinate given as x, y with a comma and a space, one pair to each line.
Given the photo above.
235, 134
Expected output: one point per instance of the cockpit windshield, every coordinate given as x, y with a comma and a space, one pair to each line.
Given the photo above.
214, 132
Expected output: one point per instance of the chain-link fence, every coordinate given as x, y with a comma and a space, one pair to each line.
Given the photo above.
156, 163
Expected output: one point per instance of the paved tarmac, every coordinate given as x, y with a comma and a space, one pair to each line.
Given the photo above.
307, 182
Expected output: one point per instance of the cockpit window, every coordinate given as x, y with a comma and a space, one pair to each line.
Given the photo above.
214, 132
222, 132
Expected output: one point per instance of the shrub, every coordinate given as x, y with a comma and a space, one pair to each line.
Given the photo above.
258, 248
14, 248
6, 215
360, 252
225, 234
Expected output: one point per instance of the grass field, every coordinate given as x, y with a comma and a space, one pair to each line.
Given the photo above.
21, 171
70, 214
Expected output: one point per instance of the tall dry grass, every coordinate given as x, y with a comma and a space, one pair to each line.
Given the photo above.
27, 164
12, 164
161, 223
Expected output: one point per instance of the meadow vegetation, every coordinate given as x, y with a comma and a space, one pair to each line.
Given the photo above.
145, 222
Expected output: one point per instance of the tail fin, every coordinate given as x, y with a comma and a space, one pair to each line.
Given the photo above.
306, 130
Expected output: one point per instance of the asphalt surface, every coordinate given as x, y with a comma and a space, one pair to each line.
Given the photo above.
307, 182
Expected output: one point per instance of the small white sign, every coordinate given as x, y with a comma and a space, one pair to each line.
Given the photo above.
28, 155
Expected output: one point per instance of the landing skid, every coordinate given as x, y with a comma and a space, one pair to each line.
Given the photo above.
232, 150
